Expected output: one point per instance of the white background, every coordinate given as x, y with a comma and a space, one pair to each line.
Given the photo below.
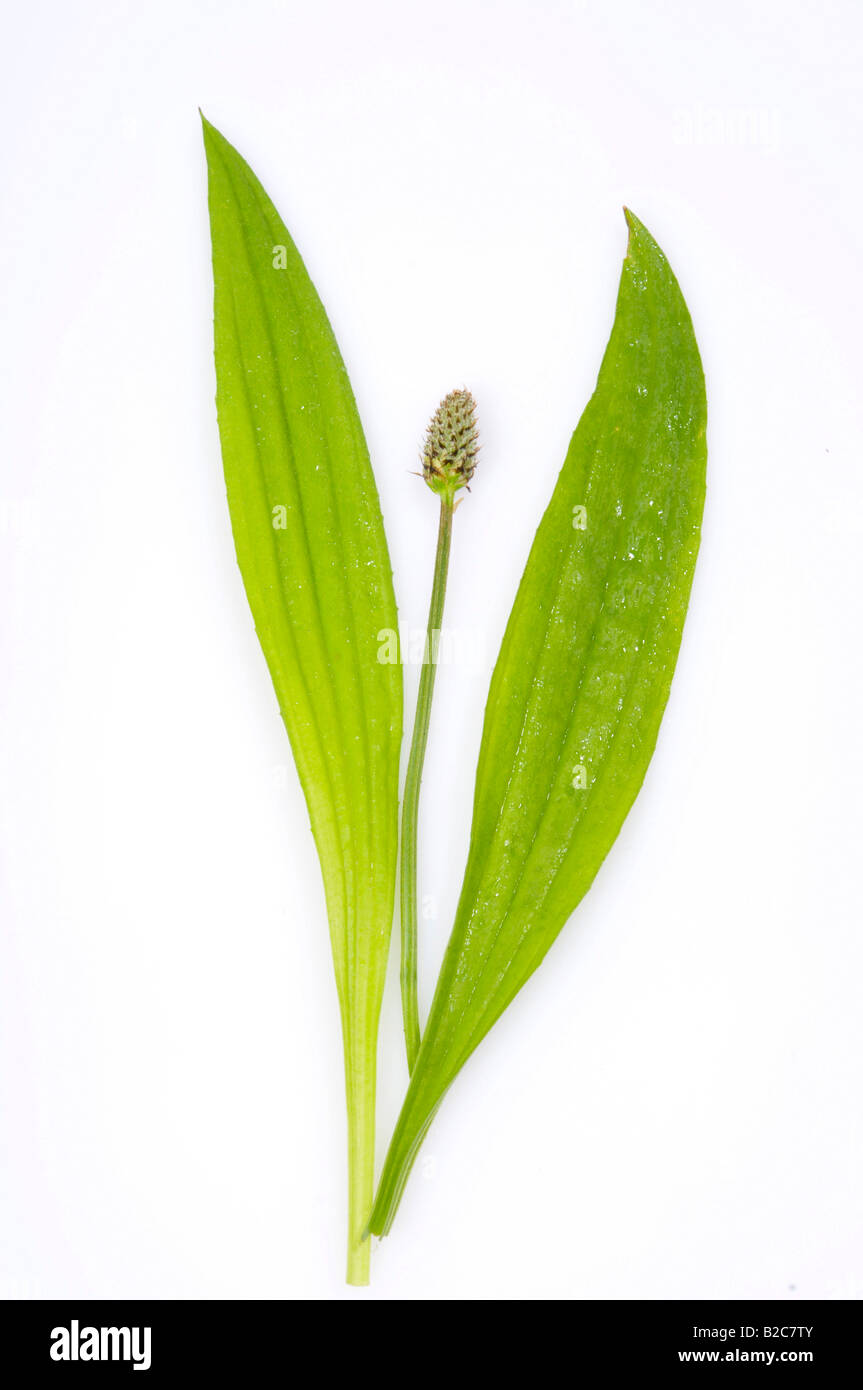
672, 1107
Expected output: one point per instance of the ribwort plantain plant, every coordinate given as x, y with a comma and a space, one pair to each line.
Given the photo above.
580, 684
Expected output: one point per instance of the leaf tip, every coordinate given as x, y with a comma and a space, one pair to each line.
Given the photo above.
634, 225
213, 137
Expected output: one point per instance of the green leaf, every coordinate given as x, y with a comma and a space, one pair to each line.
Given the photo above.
581, 681
312, 552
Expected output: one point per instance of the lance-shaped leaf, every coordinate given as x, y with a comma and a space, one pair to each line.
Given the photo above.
311, 548
581, 681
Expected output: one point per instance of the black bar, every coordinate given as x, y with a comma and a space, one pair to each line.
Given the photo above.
244, 1340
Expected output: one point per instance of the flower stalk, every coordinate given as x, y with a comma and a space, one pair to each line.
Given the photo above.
449, 462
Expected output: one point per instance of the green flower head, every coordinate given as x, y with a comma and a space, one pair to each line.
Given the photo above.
452, 444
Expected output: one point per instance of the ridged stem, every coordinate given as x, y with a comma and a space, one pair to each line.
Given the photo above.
360, 1079
410, 804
